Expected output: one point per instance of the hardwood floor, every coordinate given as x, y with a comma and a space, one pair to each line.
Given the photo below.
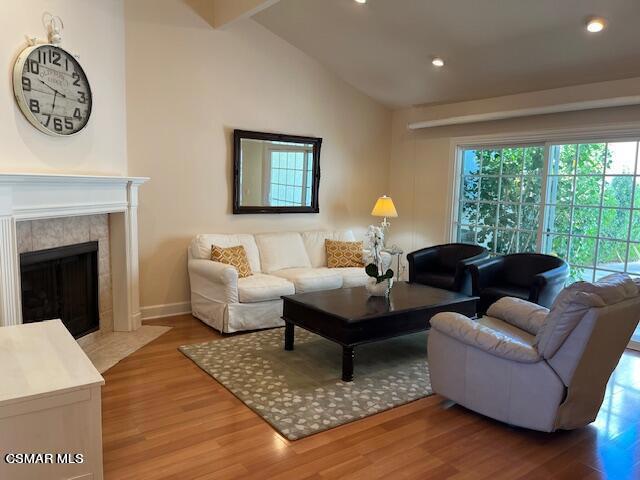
164, 418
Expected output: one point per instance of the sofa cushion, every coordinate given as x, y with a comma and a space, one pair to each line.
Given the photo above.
202, 243
311, 279
260, 287
234, 256
352, 276
281, 250
314, 243
344, 254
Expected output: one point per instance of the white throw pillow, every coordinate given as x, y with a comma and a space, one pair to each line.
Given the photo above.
281, 250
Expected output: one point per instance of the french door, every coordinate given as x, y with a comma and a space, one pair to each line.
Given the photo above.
576, 200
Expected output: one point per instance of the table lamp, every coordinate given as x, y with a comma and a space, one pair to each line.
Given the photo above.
384, 207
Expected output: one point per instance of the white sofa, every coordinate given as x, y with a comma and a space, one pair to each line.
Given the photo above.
282, 264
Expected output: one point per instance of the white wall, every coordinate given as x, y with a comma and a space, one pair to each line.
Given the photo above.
188, 87
420, 167
94, 30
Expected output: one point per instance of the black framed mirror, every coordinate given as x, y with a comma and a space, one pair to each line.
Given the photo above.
275, 173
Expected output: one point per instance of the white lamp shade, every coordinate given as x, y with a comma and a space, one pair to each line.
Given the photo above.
384, 207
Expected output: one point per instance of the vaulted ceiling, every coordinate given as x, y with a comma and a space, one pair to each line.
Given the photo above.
491, 47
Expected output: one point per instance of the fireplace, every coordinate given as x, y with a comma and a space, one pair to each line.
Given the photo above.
62, 283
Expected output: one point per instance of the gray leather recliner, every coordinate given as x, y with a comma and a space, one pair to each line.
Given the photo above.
532, 367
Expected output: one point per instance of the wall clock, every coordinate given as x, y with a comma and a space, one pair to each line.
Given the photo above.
52, 90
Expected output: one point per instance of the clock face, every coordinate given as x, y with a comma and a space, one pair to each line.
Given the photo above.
52, 90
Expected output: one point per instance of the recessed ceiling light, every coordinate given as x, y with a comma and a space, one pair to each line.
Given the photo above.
596, 24
361, 1
437, 62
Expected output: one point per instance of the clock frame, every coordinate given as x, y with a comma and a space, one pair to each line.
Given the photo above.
78, 83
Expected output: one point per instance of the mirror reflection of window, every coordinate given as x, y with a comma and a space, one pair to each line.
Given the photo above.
276, 174
290, 174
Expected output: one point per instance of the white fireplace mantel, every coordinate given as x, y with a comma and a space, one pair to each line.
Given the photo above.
41, 196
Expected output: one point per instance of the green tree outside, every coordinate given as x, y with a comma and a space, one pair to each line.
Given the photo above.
502, 197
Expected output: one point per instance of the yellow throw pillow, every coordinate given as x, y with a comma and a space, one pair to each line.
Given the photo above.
234, 256
343, 254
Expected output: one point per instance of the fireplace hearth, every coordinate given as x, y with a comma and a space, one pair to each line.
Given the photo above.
62, 283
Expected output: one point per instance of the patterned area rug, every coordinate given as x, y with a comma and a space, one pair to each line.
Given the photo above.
300, 392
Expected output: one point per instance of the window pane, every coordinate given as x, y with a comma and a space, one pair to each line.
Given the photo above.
635, 227
512, 161
636, 200
557, 245
527, 242
562, 159
466, 234
585, 221
491, 162
489, 189
510, 189
487, 214
615, 223
633, 266
469, 213
531, 189
559, 219
506, 242
530, 217
470, 188
621, 158
561, 190
588, 191
617, 191
486, 238
508, 216
591, 158
577, 273
471, 162
611, 255
533, 160
583, 251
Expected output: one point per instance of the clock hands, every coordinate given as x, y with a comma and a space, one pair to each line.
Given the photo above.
49, 86
53, 105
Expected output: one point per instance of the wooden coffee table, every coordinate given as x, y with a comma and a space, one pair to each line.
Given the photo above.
349, 317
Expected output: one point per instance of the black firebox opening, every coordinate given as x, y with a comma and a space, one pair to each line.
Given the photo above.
62, 283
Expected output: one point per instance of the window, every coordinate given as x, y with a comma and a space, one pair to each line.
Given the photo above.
500, 198
290, 175
590, 219
579, 201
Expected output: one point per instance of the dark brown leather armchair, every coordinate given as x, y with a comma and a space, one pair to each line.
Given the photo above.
445, 266
533, 277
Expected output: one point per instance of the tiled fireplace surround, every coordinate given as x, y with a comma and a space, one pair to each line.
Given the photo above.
34, 235
39, 211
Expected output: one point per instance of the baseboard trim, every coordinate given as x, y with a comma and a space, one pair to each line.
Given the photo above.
167, 310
